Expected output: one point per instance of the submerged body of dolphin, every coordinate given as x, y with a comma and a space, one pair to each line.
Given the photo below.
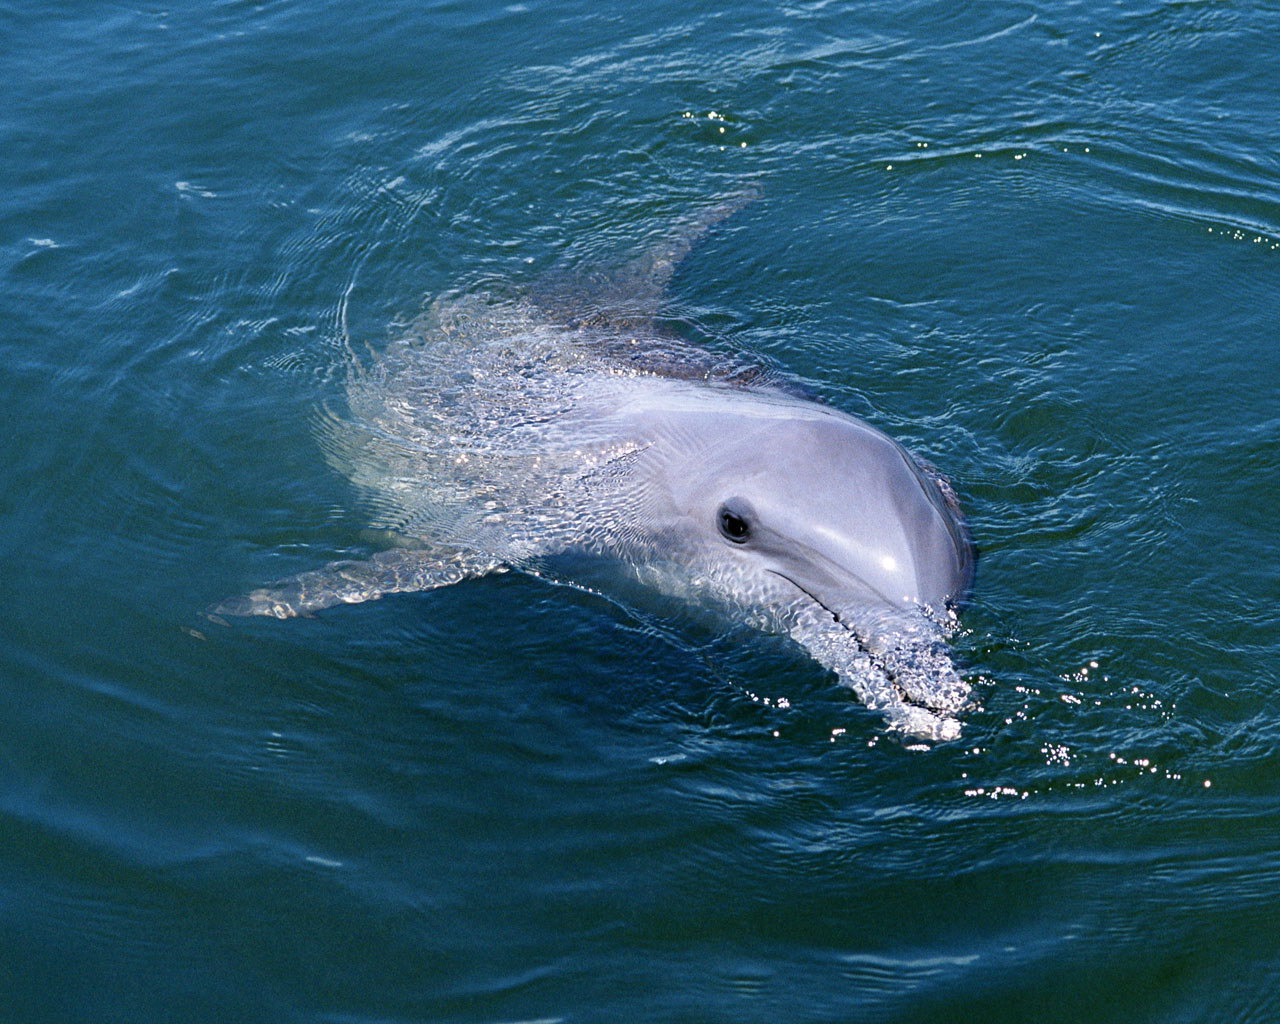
503, 435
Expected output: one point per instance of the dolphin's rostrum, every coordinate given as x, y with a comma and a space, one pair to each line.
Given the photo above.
521, 434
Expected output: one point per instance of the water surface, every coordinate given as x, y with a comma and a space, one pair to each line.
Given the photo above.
1039, 243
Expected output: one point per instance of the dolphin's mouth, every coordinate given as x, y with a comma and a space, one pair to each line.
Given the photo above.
907, 695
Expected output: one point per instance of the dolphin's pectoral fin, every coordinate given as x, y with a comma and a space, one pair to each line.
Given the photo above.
398, 571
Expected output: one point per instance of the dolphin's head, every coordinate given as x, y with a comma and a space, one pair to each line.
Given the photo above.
816, 523
828, 504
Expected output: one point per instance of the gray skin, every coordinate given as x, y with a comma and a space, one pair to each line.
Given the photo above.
508, 435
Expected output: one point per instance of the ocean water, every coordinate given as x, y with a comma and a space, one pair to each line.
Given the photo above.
1038, 242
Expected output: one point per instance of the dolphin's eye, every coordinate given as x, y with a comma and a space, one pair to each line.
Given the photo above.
733, 526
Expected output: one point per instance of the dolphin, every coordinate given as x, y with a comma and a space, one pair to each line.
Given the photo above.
562, 440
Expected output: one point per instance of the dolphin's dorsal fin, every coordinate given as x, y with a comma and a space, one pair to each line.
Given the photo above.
617, 308
643, 282
631, 296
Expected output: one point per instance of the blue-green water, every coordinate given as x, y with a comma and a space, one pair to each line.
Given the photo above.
1040, 243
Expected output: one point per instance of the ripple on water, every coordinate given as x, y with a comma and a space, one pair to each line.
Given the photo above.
1038, 244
